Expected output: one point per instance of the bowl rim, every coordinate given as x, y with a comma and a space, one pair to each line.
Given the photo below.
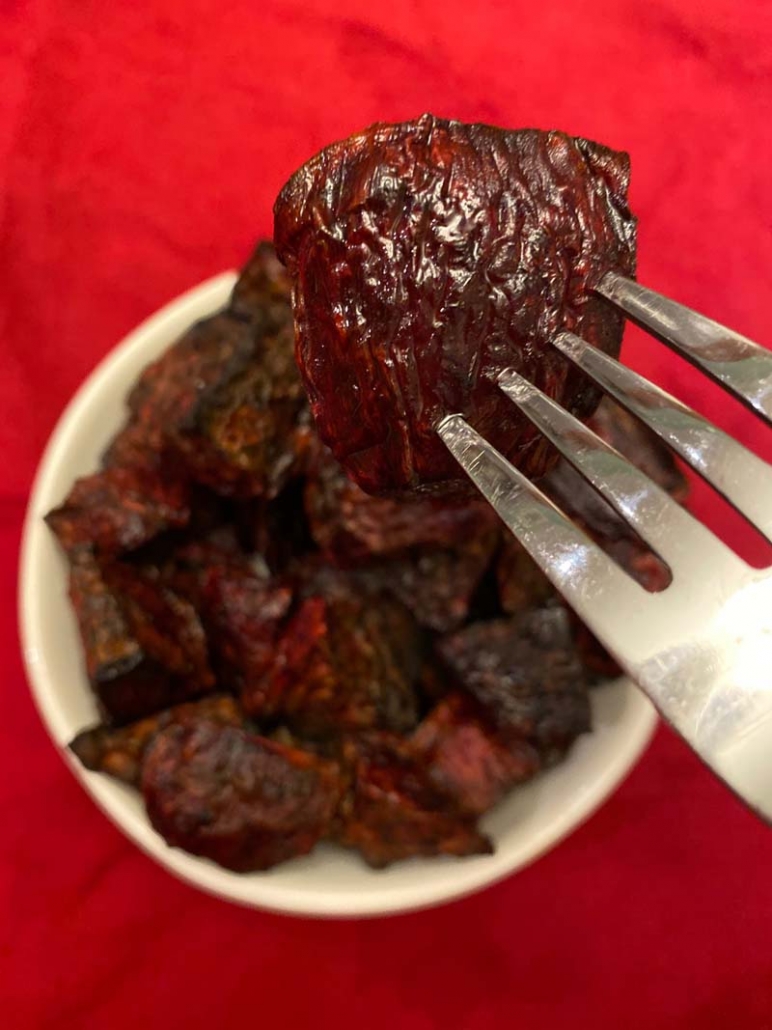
169, 321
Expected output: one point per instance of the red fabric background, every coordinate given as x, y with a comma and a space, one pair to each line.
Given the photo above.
141, 145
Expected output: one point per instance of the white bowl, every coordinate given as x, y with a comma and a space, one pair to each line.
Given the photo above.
330, 881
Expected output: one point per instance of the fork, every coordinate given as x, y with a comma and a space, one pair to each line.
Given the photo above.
701, 649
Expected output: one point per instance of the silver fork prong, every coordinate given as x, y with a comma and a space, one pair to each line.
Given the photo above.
742, 366
741, 476
662, 522
592, 583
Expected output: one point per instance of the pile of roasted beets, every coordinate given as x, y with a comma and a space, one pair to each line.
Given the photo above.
280, 658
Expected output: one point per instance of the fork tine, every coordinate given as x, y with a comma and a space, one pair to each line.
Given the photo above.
592, 583
741, 476
741, 365
661, 521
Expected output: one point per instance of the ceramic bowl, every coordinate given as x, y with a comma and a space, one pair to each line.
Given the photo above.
531, 820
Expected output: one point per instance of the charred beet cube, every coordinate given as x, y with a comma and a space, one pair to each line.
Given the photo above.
211, 351
263, 290
350, 525
249, 433
241, 607
144, 646
120, 509
429, 554
243, 612
247, 428
225, 403
525, 673
393, 809
137, 446
428, 256
118, 751
113, 656
240, 800
467, 758
438, 585
167, 391
346, 661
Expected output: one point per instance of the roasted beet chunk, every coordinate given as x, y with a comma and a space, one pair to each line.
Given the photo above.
467, 758
350, 525
165, 625
346, 661
262, 292
225, 404
144, 646
240, 800
248, 428
250, 433
243, 613
136, 446
430, 554
167, 392
119, 751
438, 585
393, 810
428, 256
114, 658
525, 673
120, 509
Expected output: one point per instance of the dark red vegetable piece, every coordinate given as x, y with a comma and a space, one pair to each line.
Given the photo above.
119, 751
431, 254
137, 446
428, 553
467, 758
144, 647
525, 673
350, 525
113, 656
238, 799
263, 290
120, 509
225, 403
393, 810
212, 351
437, 585
250, 432
243, 613
166, 626
346, 661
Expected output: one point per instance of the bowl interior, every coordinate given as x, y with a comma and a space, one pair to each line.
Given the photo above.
330, 881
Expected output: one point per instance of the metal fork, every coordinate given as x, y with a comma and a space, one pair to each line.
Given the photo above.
702, 648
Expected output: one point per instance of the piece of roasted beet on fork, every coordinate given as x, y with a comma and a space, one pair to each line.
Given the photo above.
427, 257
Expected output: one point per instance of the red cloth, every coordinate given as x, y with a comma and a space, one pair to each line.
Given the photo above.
141, 146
